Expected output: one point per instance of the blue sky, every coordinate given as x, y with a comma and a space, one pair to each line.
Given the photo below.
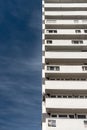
20, 65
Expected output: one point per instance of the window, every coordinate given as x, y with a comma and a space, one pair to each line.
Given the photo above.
81, 116
81, 42
84, 68
83, 79
69, 96
50, 68
59, 96
84, 50
52, 79
57, 79
55, 31
62, 116
77, 42
71, 116
85, 63
56, 68
53, 96
54, 115
48, 95
52, 123
51, 31
75, 96
49, 41
85, 31
43, 98
65, 116
78, 31
81, 96
64, 96
85, 123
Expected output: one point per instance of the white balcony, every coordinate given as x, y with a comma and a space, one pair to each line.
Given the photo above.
65, 5
66, 55
65, 22
66, 13
67, 124
65, 31
65, 69
62, 103
71, 43
66, 85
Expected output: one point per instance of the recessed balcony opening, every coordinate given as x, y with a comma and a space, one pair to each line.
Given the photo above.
65, 26
66, 48
66, 77
67, 94
68, 115
68, 17
65, 36
66, 61
65, 8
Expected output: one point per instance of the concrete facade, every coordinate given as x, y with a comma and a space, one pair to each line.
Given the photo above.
64, 64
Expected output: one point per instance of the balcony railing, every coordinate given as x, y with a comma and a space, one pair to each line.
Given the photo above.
66, 55
65, 22
65, 69
69, 5
65, 31
65, 85
66, 124
62, 103
76, 42
66, 13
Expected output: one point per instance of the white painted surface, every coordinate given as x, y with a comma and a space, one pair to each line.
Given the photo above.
65, 31
66, 55
58, 103
66, 5
65, 43
68, 13
66, 85
68, 124
65, 22
66, 69
73, 103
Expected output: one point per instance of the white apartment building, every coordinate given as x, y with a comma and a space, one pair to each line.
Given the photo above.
64, 65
